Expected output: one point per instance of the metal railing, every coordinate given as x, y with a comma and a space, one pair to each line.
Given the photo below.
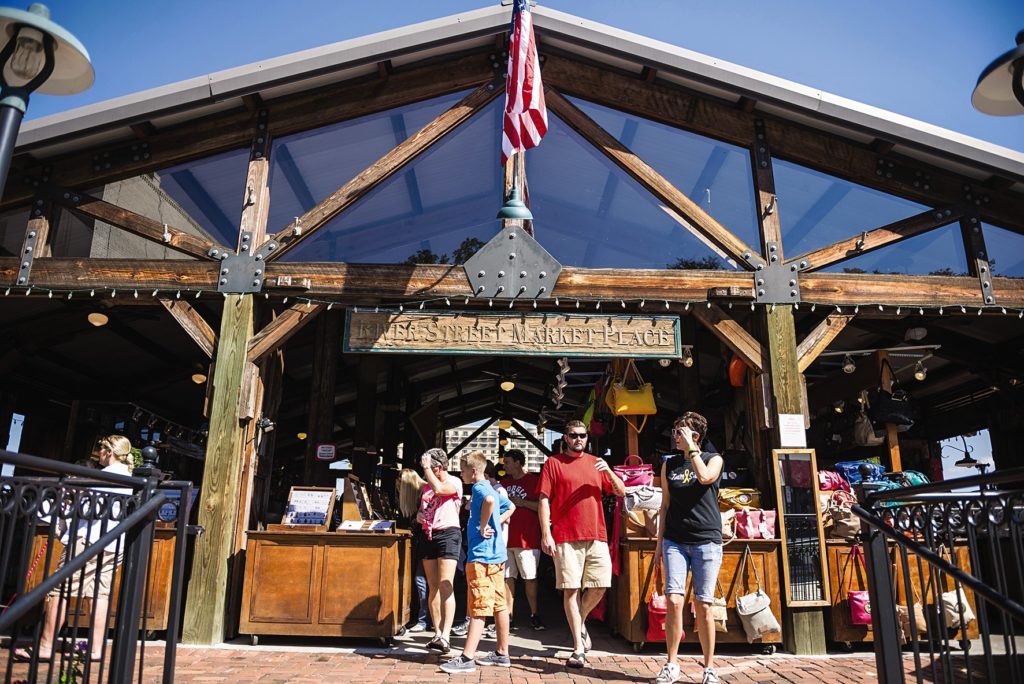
105, 524
945, 574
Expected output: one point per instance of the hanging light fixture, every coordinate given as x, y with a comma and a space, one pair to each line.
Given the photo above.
198, 374
839, 406
849, 365
97, 319
302, 436
504, 424
664, 363
507, 385
687, 359
920, 372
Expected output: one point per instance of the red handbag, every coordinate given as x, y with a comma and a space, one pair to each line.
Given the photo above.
635, 473
829, 480
754, 523
860, 600
657, 608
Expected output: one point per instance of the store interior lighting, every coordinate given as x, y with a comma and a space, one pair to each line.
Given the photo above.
664, 363
839, 406
507, 385
687, 359
920, 372
97, 318
198, 374
849, 365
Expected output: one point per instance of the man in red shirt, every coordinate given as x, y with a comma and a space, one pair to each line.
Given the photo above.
523, 533
573, 531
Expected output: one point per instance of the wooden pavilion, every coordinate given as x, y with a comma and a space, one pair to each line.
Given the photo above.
209, 221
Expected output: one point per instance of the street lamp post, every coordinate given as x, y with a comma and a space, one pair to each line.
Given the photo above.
1000, 88
38, 56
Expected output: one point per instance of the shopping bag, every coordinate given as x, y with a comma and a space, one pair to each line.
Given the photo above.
634, 471
738, 498
754, 609
755, 523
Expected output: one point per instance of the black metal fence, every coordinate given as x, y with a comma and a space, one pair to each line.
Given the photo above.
71, 538
945, 569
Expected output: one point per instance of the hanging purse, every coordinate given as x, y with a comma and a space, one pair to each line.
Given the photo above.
830, 479
859, 600
893, 405
728, 525
864, 433
719, 608
952, 603
912, 612
841, 521
631, 396
754, 610
634, 472
657, 607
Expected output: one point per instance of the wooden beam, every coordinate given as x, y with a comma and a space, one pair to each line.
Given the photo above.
39, 229
733, 335
819, 339
279, 330
321, 396
123, 274
650, 179
232, 129
791, 141
193, 324
870, 240
476, 433
382, 169
136, 224
764, 192
530, 438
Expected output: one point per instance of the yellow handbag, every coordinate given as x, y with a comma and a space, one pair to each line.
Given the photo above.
738, 498
630, 396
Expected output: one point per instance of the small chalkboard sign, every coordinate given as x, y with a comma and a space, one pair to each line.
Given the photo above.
309, 506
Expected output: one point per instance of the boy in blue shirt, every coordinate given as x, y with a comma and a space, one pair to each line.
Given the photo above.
485, 568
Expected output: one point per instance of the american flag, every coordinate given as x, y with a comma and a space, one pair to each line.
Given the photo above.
526, 117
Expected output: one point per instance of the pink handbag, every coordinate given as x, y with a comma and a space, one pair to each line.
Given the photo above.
635, 473
860, 600
755, 523
829, 480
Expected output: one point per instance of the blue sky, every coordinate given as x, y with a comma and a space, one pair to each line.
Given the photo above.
915, 57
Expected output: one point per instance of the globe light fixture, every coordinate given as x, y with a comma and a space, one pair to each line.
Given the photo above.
507, 385
97, 318
687, 359
38, 55
849, 365
920, 372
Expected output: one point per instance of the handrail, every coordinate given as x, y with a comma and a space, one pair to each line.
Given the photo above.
24, 603
943, 486
45, 465
1004, 603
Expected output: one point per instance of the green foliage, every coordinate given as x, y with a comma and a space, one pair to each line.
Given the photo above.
461, 255
708, 263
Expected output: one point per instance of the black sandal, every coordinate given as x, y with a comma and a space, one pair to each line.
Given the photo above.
577, 661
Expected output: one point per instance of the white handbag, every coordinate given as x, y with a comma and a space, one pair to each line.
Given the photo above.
642, 498
754, 609
951, 608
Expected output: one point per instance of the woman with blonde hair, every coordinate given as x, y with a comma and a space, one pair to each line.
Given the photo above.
410, 488
95, 580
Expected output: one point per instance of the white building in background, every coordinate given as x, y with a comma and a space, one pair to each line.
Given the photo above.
487, 442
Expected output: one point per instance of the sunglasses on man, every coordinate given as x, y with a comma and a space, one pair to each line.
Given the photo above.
576, 435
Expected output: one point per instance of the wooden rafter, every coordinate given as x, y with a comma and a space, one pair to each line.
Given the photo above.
733, 335
193, 324
815, 149
385, 167
819, 339
870, 240
371, 283
653, 181
134, 223
233, 129
279, 330
530, 438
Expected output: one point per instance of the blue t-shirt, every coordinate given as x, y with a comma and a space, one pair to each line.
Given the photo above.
490, 551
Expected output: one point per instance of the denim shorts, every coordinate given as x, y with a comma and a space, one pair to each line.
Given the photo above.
703, 560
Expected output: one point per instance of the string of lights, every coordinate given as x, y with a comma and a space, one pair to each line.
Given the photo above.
582, 304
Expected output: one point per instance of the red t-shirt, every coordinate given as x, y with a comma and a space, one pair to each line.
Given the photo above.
573, 487
523, 527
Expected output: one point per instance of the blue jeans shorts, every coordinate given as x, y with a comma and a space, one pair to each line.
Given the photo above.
703, 560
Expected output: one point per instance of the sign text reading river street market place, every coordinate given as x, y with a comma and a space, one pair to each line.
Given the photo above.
544, 334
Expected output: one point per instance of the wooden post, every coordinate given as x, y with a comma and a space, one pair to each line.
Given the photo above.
803, 628
230, 449
892, 438
326, 350
364, 446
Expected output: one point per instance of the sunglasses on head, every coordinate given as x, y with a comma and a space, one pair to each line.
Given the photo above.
678, 431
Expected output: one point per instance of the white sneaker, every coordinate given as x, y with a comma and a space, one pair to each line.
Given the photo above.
710, 677
669, 673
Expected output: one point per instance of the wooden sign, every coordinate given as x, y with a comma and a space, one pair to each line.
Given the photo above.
593, 334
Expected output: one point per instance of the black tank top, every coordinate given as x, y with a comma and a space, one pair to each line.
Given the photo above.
693, 516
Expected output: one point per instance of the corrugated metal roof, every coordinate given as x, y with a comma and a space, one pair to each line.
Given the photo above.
74, 129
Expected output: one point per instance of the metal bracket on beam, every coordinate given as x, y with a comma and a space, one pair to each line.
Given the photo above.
774, 282
43, 179
243, 273
30, 247
902, 174
974, 242
512, 265
122, 156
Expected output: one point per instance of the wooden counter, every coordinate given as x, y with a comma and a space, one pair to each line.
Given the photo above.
341, 584
158, 600
839, 573
632, 587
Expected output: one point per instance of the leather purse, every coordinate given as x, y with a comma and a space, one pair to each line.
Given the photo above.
642, 498
634, 472
738, 498
891, 406
657, 608
728, 525
630, 395
829, 480
755, 523
859, 600
754, 609
841, 521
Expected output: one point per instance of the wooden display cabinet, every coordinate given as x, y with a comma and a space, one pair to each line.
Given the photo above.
840, 567
633, 586
158, 601
340, 584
